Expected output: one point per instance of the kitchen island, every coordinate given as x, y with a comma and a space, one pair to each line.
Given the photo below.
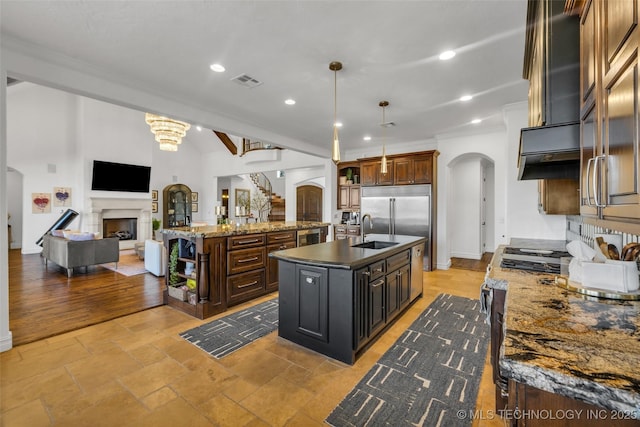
227, 265
337, 297
562, 351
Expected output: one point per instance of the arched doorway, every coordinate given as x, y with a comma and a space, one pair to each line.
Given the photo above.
308, 203
470, 206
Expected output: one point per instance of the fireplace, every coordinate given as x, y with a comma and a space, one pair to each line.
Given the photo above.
122, 228
129, 218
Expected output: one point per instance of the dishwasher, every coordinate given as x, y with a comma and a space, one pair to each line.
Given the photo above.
417, 264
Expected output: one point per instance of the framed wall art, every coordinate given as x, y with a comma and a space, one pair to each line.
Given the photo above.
40, 203
62, 196
194, 196
194, 207
154, 207
154, 195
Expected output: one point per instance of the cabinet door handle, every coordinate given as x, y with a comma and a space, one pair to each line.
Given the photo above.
283, 247
377, 284
288, 236
240, 261
378, 270
596, 173
590, 182
246, 242
366, 273
255, 282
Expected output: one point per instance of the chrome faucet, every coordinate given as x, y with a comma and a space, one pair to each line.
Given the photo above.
363, 234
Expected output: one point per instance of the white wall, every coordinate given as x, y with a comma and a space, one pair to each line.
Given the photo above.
14, 207
521, 197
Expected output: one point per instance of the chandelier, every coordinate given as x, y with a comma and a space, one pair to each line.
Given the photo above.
383, 164
168, 132
335, 66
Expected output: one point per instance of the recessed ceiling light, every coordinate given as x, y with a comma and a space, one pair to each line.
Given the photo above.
217, 68
290, 101
367, 138
447, 54
476, 121
199, 128
338, 124
466, 98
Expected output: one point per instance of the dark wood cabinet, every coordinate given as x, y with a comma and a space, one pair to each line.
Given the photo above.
412, 170
404, 279
371, 174
312, 306
277, 241
176, 211
610, 165
349, 197
342, 231
558, 196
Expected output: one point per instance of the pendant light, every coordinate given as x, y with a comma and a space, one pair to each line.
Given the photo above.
383, 163
335, 66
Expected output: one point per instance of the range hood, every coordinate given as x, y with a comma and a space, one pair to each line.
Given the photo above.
550, 152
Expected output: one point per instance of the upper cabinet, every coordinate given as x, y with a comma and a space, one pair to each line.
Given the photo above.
412, 170
403, 169
349, 186
610, 151
551, 63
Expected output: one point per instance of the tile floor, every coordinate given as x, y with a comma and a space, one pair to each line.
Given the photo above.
137, 371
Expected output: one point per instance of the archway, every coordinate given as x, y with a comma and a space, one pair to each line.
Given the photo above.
471, 206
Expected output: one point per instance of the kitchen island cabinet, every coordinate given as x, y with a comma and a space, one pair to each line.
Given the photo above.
336, 298
231, 263
561, 351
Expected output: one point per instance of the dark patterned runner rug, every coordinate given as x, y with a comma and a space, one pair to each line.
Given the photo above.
429, 377
230, 333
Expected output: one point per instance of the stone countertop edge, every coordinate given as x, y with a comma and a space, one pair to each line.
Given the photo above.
533, 355
341, 254
228, 230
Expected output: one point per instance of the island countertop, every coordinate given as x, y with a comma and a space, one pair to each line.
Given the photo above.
341, 253
559, 341
232, 230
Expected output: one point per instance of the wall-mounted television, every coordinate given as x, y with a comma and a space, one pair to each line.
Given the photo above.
108, 176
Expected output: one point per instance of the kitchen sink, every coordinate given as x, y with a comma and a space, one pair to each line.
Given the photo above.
374, 244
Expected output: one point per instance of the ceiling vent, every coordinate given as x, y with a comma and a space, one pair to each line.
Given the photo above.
246, 81
387, 124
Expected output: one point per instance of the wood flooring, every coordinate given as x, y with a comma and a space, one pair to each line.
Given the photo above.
44, 302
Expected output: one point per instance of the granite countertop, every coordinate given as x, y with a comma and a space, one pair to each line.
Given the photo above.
341, 253
232, 230
577, 346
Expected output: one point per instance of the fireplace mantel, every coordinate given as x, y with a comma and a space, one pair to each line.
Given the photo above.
119, 207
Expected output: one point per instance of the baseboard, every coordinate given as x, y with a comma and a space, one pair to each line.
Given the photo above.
444, 266
467, 255
6, 342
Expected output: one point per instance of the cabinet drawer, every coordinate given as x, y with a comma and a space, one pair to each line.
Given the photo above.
242, 287
396, 261
243, 260
279, 237
249, 241
340, 229
376, 269
353, 230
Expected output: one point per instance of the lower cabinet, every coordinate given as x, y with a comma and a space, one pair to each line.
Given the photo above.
312, 303
277, 241
497, 336
382, 290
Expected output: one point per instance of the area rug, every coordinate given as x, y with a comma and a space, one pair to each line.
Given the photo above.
429, 377
128, 265
225, 335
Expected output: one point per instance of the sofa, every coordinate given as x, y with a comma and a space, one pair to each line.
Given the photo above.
70, 254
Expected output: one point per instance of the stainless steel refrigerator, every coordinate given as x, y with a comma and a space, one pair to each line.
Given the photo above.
402, 209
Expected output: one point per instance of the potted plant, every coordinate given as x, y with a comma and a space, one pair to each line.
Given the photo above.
157, 235
349, 174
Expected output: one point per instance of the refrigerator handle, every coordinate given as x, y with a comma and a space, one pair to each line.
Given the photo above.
392, 216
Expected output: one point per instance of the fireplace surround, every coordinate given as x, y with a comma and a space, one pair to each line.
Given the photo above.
117, 208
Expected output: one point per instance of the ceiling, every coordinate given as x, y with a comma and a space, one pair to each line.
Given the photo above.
389, 51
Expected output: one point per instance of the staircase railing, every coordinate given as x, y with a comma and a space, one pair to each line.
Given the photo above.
263, 184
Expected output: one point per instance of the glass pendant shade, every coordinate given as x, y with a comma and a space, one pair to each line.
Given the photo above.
335, 66
383, 161
383, 164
